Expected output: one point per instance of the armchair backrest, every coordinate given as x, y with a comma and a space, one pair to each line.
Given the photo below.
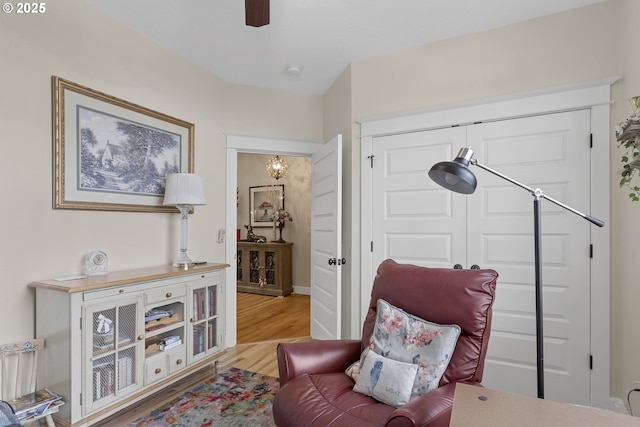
444, 296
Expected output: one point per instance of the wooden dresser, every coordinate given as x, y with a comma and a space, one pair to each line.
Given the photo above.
264, 268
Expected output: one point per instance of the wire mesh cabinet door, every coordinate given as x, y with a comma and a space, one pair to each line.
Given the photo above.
113, 350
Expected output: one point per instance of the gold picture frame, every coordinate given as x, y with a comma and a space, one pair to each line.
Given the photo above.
113, 155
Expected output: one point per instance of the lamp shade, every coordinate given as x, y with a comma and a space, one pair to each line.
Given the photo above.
184, 189
455, 175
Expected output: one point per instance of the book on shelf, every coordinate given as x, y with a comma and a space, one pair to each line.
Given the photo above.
125, 372
102, 342
198, 304
170, 339
170, 345
103, 379
212, 301
35, 404
156, 313
211, 335
198, 339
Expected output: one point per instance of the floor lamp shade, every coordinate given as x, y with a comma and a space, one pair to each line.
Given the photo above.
183, 190
455, 175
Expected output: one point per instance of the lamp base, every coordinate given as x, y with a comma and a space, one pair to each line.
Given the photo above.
183, 265
183, 261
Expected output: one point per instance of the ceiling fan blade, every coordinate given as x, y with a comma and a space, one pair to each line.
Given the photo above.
256, 12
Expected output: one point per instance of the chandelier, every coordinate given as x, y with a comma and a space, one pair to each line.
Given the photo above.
277, 167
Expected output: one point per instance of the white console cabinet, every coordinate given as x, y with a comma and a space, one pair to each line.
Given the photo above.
113, 339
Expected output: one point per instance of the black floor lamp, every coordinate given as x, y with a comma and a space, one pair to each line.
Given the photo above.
456, 176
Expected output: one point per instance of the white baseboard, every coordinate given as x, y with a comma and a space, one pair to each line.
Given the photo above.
302, 290
619, 405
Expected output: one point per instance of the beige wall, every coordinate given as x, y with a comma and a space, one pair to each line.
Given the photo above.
560, 49
297, 190
625, 233
76, 42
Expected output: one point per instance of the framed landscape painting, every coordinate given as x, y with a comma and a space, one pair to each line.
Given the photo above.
110, 154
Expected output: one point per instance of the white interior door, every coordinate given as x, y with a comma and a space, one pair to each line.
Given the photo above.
414, 221
326, 240
550, 152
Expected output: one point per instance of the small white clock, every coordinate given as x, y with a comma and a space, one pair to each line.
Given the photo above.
96, 262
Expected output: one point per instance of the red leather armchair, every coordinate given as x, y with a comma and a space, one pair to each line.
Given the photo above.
315, 391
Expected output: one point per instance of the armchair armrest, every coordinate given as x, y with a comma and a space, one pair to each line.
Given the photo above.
430, 410
316, 357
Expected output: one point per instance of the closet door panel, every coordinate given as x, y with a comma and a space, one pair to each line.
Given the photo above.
415, 220
552, 153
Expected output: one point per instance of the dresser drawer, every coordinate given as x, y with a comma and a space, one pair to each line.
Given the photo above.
164, 294
163, 364
155, 368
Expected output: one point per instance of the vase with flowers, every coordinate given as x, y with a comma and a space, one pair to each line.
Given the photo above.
279, 217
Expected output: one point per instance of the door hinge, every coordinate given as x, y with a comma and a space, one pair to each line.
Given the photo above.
80, 399
80, 323
371, 160
372, 246
591, 251
591, 362
590, 140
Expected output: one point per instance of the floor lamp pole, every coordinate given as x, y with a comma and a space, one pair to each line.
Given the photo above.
456, 176
538, 195
537, 237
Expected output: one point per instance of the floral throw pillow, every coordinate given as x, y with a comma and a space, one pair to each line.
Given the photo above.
406, 338
386, 380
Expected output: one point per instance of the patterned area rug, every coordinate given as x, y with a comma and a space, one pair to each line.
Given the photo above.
234, 397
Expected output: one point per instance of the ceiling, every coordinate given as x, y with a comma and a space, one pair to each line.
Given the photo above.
319, 37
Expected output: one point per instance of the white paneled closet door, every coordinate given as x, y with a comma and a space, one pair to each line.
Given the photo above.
415, 221
550, 152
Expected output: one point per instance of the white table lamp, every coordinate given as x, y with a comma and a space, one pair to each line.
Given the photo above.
184, 191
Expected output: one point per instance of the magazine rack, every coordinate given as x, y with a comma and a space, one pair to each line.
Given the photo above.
18, 367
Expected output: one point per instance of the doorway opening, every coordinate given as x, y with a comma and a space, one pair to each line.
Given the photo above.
263, 316
237, 145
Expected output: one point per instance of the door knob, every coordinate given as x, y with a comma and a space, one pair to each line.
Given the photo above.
457, 267
342, 261
332, 261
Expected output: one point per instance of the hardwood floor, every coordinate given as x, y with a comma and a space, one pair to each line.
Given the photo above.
266, 318
263, 322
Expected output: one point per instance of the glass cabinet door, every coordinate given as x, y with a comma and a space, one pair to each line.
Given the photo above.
205, 329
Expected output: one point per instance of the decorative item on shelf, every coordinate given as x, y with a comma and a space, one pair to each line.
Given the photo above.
96, 262
277, 167
252, 237
628, 136
279, 217
103, 324
184, 191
